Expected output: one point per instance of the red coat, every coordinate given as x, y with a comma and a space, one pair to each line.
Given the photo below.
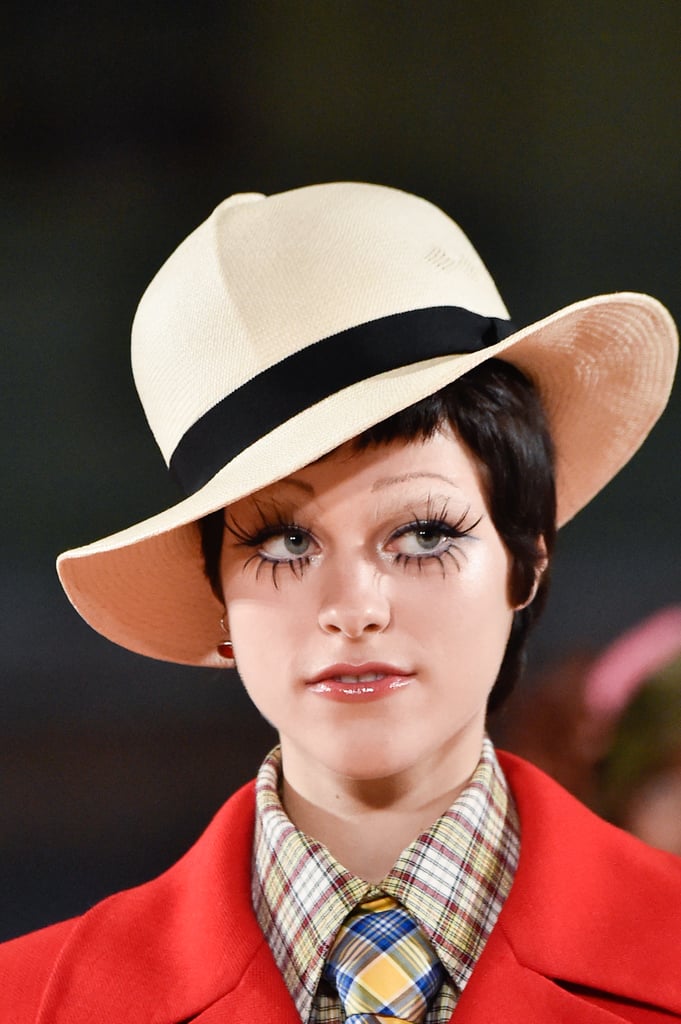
590, 934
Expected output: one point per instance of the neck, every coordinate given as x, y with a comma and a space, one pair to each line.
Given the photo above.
366, 824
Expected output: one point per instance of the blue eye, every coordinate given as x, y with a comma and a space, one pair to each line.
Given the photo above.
276, 544
286, 545
428, 537
430, 540
421, 539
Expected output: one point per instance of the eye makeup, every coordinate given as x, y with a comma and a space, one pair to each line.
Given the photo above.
417, 535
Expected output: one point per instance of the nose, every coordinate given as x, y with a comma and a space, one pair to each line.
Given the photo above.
354, 602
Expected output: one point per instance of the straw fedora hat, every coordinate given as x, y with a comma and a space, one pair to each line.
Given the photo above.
286, 325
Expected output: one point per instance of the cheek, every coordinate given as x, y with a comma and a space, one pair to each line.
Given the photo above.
267, 628
465, 619
261, 649
474, 592
252, 622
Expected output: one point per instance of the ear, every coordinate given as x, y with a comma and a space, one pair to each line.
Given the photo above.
542, 565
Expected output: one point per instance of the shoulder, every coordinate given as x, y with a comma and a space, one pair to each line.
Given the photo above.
590, 904
564, 832
25, 967
145, 943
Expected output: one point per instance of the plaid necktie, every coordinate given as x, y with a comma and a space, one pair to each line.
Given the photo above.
382, 966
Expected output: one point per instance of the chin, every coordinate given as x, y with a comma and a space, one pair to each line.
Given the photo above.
369, 762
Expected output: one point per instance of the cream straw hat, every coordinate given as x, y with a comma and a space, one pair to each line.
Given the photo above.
286, 325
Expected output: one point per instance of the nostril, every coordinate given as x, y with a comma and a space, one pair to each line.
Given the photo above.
353, 616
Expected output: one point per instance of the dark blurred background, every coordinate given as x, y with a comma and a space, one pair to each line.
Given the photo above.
550, 131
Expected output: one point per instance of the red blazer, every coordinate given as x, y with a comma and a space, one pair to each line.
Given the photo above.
590, 934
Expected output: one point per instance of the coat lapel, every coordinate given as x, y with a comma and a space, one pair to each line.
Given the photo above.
502, 989
261, 996
173, 948
590, 905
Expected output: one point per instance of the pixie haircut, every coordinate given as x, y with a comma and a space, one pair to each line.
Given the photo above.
497, 413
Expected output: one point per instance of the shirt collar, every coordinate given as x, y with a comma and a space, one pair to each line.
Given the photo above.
453, 879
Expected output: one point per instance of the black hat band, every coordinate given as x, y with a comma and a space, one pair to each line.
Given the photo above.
312, 374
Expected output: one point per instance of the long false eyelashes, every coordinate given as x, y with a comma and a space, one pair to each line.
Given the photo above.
296, 565
271, 519
275, 521
437, 521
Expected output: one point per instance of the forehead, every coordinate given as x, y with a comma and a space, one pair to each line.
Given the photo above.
438, 463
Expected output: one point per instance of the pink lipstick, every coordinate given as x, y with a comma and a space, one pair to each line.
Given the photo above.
359, 683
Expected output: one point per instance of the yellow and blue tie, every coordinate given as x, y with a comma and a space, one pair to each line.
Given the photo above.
382, 966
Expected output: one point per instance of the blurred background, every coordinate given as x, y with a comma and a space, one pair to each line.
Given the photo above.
550, 131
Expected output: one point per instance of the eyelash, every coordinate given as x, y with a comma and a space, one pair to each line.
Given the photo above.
435, 524
279, 525
271, 527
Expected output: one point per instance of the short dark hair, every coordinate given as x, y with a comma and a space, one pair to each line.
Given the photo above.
496, 411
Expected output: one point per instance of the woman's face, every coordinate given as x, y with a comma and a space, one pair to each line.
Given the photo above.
367, 601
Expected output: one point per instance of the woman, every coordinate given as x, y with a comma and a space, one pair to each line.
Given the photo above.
367, 446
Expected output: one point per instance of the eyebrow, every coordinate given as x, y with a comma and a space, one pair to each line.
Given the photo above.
388, 481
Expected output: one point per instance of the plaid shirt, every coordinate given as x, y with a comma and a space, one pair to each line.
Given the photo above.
453, 879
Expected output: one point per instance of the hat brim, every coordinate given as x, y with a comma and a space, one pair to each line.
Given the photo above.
603, 366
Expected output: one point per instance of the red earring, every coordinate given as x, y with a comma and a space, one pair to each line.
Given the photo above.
225, 648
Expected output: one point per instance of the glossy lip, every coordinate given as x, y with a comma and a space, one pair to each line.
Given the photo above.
327, 684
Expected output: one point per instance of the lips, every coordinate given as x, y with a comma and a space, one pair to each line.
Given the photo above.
363, 672
366, 682
364, 677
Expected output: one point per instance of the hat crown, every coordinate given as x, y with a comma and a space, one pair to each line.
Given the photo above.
264, 277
